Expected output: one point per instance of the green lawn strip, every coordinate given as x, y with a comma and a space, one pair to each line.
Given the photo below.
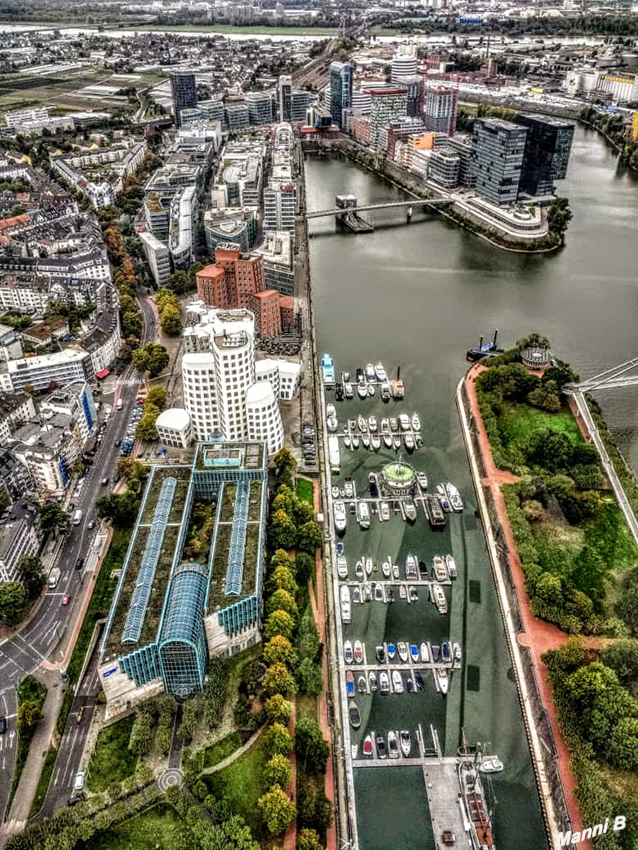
220, 750
241, 783
29, 690
158, 828
98, 609
112, 761
43, 782
232, 28
307, 706
623, 471
519, 422
306, 491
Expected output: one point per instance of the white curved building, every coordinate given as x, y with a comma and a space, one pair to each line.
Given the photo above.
264, 418
268, 370
404, 63
200, 395
233, 350
174, 428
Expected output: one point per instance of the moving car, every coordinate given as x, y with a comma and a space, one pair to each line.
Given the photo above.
66, 599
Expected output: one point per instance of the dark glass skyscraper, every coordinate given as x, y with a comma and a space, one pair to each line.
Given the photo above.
184, 92
340, 90
547, 149
497, 159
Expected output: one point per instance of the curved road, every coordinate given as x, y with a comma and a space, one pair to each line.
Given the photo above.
42, 640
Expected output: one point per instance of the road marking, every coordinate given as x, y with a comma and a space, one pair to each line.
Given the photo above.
32, 648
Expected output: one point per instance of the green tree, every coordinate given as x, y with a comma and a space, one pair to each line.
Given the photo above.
278, 680
309, 678
171, 321
141, 738
277, 740
308, 644
13, 602
622, 657
278, 709
31, 574
52, 517
281, 600
558, 217
281, 558
627, 604
282, 531
157, 397
277, 771
190, 715
623, 744
29, 714
308, 839
279, 623
305, 565
283, 578
163, 739
315, 810
179, 282
277, 811
545, 396
589, 573
132, 323
280, 650
309, 537
146, 429
310, 745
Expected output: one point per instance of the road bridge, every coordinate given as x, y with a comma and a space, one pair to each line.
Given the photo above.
415, 202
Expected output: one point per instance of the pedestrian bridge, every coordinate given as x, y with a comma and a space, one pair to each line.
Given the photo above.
415, 202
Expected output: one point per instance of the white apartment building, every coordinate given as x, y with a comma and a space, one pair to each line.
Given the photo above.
62, 367
264, 418
280, 198
74, 400
158, 257
24, 298
19, 538
15, 410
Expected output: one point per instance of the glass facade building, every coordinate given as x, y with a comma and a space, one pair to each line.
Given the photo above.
184, 93
340, 90
497, 159
547, 149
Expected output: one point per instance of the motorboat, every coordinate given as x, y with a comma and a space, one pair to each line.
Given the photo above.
345, 376
382, 752
443, 498
378, 593
444, 680
332, 423
347, 652
415, 422
446, 652
380, 653
367, 591
369, 372
384, 511
375, 442
372, 683
404, 421
457, 652
402, 649
436, 652
418, 680
355, 441
413, 594
380, 372
425, 653
362, 423
372, 424
434, 511
423, 569
339, 391
352, 424
360, 375
395, 571
331, 410
409, 685
491, 764
392, 651
397, 682
386, 568
450, 563
414, 652
422, 479
335, 491
418, 439
403, 593
396, 442
350, 683
406, 744
369, 565
373, 481
363, 514
385, 425
362, 391
410, 510
365, 439
411, 567
370, 390
340, 547
389, 594
358, 569
347, 390
356, 595
385, 391
339, 510
440, 573
384, 683
367, 746
393, 745
346, 607
347, 441
362, 685
348, 488
394, 423
454, 497
439, 598
358, 651
354, 714
408, 439
387, 440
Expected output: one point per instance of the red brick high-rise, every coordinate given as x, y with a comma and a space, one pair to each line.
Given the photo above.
211, 286
265, 306
231, 280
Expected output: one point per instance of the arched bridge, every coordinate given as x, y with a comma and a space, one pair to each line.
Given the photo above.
415, 202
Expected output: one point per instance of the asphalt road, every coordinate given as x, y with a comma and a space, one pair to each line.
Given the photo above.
38, 641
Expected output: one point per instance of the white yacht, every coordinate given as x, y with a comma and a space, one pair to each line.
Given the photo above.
342, 566
416, 422
404, 421
384, 511
369, 372
379, 371
363, 514
340, 515
346, 607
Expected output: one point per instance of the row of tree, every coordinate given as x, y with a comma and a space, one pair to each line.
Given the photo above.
170, 311
17, 596
121, 510
153, 405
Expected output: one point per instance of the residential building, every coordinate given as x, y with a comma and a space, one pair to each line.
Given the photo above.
404, 63
265, 307
547, 148
15, 478
15, 410
158, 257
19, 538
341, 74
49, 451
183, 92
387, 104
497, 161
415, 92
75, 401
439, 108
45, 370
277, 254
444, 167
284, 93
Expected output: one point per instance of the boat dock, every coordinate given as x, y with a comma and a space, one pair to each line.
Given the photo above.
373, 504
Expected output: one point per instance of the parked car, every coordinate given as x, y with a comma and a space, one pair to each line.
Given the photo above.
105, 481
3, 725
91, 525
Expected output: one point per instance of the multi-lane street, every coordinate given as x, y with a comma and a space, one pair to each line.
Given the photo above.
44, 639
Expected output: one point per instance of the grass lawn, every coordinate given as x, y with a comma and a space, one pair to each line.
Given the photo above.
159, 828
306, 705
98, 609
43, 782
518, 423
248, 30
29, 690
221, 749
306, 491
112, 760
242, 785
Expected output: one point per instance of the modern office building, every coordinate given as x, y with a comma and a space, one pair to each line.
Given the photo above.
299, 103
341, 74
237, 116
276, 252
264, 418
44, 370
497, 159
19, 538
158, 257
183, 92
173, 609
387, 104
443, 167
230, 224
174, 428
232, 280
404, 63
415, 90
462, 145
284, 93
280, 200
261, 107
547, 149
439, 108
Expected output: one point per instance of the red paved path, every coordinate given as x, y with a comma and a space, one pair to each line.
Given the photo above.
538, 635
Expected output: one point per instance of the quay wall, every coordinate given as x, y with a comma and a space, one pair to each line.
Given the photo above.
537, 724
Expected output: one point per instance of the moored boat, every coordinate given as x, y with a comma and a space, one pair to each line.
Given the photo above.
454, 497
359, 567
457, 652
404, 421
362, 685
367, 746
372, 424
369, 372
384, 511
434, 511
348, 488
446, 652
474, 805
358, 651
384, 683
378, 593
392, 651
396, 442
346, 608
382, 751
444, 680
403, 593
402, 649
349, 683
450, 563
342, 566
362, 423
339, 511
363, 514
443, 498
413, 594
375, 442
335, 491
425, 653
415, 422
440, 573
395, 571
491, 764
387, 440
394, 423
347, 441
406, 744
370, 390
436, 652
411, 567
362, 391
347, 652
355, 441
393, 745
439, 598
372, 682
410, 510
385, 391
418, 679
422, 478
365, 439
414, 652
347, 390
408, 439
397, 682
369, 565
386, 568
379, 371
356, 595
380, 653
354, 714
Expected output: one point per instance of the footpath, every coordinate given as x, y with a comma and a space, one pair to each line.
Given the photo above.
538, 635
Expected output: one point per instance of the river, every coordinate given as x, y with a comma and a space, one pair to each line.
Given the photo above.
418, 296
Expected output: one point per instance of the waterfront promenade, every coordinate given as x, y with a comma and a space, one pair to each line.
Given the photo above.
538, 635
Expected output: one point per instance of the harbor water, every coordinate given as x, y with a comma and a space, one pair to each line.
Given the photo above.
418, 296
